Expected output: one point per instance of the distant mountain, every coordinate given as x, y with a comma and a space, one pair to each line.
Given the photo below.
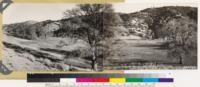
154, 18
141, 23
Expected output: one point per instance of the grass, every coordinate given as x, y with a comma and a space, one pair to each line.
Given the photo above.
149, 66
134, 53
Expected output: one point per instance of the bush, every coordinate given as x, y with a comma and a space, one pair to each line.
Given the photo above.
181, 34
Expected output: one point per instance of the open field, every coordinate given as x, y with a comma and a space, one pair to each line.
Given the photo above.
127, 52
132, 52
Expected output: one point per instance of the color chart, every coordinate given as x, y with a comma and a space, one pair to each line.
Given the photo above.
99, 80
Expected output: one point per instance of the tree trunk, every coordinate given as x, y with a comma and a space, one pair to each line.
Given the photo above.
94, 65
94, 62
181, 59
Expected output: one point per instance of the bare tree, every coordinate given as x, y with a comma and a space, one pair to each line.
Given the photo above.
94, 20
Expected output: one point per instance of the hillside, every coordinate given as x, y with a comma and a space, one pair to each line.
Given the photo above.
142, 37
168, 40
148, 22
142, 23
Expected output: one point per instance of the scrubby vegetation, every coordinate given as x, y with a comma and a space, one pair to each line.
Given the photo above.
181, 37
176, 25
95, 35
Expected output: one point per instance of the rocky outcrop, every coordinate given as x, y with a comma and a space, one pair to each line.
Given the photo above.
148, 22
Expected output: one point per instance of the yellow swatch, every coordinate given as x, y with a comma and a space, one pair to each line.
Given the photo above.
117, 80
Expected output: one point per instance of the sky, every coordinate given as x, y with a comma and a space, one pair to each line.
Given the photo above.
40, 12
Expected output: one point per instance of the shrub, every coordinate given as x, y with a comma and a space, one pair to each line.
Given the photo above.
181, 34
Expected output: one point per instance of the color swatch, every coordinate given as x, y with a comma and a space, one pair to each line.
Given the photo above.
100, 78
124, 80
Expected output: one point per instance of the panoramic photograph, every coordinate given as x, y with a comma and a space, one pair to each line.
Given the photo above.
97, 37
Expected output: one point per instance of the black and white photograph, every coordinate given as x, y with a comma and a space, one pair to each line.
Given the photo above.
154, 36
97, 37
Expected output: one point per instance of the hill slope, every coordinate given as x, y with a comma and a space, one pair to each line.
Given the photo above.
54, 45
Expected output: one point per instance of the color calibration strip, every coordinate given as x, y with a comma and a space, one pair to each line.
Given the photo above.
118, 78
99, 80
123, 80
